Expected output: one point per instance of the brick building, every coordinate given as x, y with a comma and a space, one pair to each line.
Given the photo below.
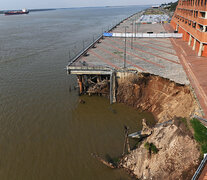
190, 18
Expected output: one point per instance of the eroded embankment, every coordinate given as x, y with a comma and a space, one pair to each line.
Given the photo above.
175, 155
164, 98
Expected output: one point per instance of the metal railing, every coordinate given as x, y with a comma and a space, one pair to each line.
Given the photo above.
145, 35
82, 52
200, 168
200, 118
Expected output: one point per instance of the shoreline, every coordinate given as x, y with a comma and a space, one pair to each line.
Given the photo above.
166, 93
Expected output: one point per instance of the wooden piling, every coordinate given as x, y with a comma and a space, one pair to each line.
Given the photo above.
80, 84
126, 141
103, 161
113, 87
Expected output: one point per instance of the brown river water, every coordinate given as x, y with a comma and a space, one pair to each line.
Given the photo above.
44, 132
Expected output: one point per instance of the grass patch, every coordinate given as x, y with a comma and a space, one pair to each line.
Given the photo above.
185, 122
200, 134
151, 146
147, 145
153, 12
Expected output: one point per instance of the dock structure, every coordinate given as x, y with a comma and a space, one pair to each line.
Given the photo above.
108, 56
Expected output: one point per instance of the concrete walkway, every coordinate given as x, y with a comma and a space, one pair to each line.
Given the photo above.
154, 55
195, 68
203, 175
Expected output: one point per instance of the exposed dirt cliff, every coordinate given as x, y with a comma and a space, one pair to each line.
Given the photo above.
170, 152
177, 156
164, 98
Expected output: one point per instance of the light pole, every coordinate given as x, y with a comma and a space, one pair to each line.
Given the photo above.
102, 33
125, 48
137, 23
132, 34
135, 29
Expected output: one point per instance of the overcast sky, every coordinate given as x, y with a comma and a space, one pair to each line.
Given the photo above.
31, 4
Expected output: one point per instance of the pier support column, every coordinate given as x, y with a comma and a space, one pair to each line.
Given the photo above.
190, 40
200, 49
80, 83
98, 78
194, 44
112, 87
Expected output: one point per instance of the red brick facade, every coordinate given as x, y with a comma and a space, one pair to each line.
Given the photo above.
190, 18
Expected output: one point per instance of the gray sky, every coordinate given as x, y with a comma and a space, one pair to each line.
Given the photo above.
30, 4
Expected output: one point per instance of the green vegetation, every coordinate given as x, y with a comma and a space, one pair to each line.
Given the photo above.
173, 6
170, 6
147, 145
152, 147
185, 122
153, 11
200, 134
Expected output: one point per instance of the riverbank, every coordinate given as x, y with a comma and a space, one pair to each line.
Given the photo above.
160, 96
170, 152
146, 73
178, 154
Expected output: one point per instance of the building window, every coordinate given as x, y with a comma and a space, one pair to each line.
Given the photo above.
200, 27
203, 14
195, 14
194, 25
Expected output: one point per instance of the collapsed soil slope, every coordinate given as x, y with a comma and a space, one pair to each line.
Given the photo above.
164, 98
177, 158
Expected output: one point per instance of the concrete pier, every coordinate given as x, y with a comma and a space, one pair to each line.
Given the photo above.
156, 56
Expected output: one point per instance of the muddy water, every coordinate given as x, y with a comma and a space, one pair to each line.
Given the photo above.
44, 132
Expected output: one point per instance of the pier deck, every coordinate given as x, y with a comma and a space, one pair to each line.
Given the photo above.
156, 56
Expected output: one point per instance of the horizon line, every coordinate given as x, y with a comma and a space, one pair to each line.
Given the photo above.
82, 7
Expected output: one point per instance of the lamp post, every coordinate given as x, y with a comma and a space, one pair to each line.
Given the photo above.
102, 32
132, 34
125, 48
135, 29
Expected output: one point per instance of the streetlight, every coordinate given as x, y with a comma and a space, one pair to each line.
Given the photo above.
125, 48
135, 28
132, 34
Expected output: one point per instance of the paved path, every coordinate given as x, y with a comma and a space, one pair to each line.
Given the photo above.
195, 67
203, 175
154, 55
